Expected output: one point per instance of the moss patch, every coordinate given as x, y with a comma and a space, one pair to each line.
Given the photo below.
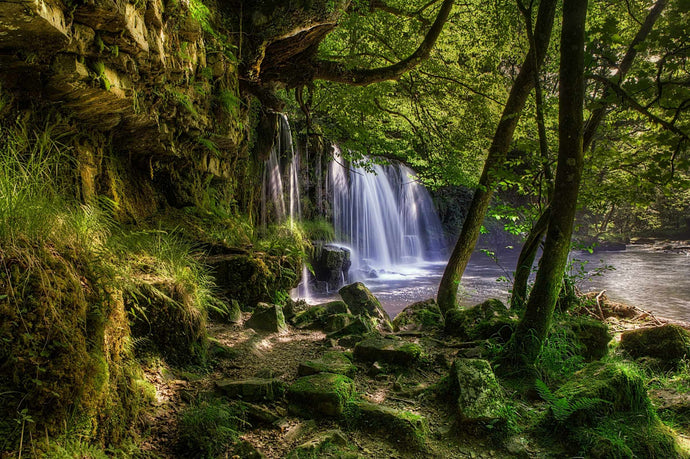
324, 394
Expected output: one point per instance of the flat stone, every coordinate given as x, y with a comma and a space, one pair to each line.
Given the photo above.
479, 397
253, 390
330, 362
267, 317
323, 394
402, 426
388, 350
260, 413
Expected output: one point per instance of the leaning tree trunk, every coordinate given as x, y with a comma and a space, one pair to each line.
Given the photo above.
448, 289
526, 260
529, 336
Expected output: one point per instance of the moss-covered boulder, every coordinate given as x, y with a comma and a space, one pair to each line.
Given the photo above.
362, 302
330, 362
331, 443
389, 350
267, 317
338, 322
254, 278
316, 317
358, 326
479, 398
593, 336
669, 343
490, 319
605, 411
409, 428
252, 390
422, 315
323, 394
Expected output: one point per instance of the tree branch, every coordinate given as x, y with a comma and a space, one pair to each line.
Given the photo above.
337, 72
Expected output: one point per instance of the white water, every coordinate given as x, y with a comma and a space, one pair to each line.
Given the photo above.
386, 218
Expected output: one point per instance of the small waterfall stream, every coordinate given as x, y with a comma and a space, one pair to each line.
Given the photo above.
386, 217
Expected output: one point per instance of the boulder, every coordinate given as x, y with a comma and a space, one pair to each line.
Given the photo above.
317, 316
388, 350
323, 394
362, 302
422, 315
401, 426
331, 264
616, 386
338, 322
267, 317
593, 335
330, 362
479, 397
252, 390
489, 319
358, 327
325, 443
669, 343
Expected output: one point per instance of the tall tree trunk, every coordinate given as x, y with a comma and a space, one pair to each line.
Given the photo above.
448, 289
529, 336
526, 260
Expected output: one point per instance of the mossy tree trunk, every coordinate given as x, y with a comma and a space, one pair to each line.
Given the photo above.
448, 289
527, 340
526, 260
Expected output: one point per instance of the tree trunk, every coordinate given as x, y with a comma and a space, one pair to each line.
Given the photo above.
448, 289
526, 260
529, 336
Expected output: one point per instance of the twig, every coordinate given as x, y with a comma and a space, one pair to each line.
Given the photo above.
601, 314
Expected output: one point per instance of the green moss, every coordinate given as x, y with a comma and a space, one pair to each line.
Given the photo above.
208, 428
323, 394
411, 429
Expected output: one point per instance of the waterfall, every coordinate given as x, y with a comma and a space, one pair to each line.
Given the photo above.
386, 217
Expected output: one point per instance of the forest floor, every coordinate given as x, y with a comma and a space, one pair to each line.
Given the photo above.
278, 355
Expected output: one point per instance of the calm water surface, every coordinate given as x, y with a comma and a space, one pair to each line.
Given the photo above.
652, 280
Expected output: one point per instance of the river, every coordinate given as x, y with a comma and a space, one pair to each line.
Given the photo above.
650, 279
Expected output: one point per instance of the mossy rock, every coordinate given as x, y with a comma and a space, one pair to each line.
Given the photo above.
669, 343
593, 335
362, 302
254, 278
490, 319
252, 390
332, 443
330, 362
479, 397
380, 349
323, 394
422, 315
400, 426
358, 326
267, 317
338, 322
604, 388
316, 317
671, 403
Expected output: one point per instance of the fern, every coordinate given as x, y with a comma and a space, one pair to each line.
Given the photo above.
562, 408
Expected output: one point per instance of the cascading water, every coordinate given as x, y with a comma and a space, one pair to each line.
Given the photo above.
385, 216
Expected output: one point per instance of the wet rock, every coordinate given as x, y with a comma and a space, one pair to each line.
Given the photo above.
331, 264
330, 362
401, 426
362, 302
669, 343
323, 443
479, 397
489, 319
253, 390
324, 394
267, 317
419, 316
317, 316
388, 350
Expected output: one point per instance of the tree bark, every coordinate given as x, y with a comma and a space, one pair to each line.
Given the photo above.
526, 260
526, 342
448, 289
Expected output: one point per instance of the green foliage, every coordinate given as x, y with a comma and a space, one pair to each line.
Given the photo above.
318, 229
560, 357
208, 427
563, 408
